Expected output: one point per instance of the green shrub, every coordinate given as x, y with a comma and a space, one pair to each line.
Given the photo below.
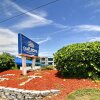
47, 67
79, 60
6, 61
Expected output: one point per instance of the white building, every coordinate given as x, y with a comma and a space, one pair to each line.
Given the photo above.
45, 61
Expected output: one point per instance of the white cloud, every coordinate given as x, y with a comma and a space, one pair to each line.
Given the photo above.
8, 41
7, 37
79, 28
30, 23
93, 3
60, 31
4, 9
41, 13
32, 19
94, 39
44, 40
6, 12
60, 25
97, 11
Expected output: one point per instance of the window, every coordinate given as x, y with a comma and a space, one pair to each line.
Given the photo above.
50, 63
42, 62
50, 59
37, 64
37, 60
43, 59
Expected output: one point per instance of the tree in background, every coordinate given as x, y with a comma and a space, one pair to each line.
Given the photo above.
6, 61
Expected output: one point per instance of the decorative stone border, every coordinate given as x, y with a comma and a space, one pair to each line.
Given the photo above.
21, 94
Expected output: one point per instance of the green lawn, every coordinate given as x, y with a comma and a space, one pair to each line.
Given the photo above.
85, 94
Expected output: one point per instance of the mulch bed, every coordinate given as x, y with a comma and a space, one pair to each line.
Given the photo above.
49, 80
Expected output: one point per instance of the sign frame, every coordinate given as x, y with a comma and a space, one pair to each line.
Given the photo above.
27, 47
26, 44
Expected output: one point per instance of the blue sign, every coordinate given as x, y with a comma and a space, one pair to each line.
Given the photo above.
27, 46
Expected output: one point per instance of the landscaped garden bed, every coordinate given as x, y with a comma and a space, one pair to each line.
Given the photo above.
44, 80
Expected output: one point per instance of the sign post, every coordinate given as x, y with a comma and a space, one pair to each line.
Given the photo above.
33, 63
24, 70
27, 48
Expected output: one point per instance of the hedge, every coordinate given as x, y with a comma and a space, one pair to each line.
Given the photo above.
79, 60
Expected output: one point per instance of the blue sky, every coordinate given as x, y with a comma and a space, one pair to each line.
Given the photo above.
53, 26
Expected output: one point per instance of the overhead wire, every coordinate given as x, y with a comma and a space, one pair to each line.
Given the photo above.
14, 1
14, 12
23, 13
10, 8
